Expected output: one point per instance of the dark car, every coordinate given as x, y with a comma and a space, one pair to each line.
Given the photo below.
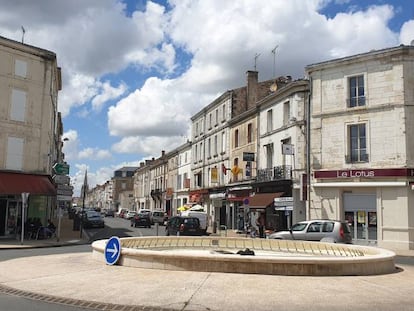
92, 219
141, 220
110, 213
182, 225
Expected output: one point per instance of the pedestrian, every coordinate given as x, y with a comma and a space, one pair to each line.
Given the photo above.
261, 222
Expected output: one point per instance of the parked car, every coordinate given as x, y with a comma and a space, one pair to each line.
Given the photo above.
148, 212
130, 214
141, 220
183, 225
92, 219
317, 230
109, 213
158, 217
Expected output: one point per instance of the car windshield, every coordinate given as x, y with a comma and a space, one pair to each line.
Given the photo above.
191, 221
299, 227
93, 214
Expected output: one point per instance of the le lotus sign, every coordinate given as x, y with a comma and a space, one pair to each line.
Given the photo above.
365, 173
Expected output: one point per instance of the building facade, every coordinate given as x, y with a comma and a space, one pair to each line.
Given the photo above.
362, 144
30, 133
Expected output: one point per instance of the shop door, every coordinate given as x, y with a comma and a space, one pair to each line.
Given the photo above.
3, 223
361, 214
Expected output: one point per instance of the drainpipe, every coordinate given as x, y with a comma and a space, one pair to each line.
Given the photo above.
308, 149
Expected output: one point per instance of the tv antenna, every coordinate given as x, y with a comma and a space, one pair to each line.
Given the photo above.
274, 60
255, 60
23, 32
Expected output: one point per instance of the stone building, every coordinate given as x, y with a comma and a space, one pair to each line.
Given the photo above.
30, 132
362, 144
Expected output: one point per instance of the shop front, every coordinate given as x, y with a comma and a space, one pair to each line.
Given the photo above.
376, 203
42, 194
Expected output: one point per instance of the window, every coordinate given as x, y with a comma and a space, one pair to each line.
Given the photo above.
223, 142
185, 157
215, 145
209, 148
195, 153
14, 159
286, 113
236, 138
210, 121
20, 68
269, 120
356, 91
200, 156
224, 113
18, 105
217, 117
123, 185
357, 143
196, 129
179, 182
269, 155
249, 133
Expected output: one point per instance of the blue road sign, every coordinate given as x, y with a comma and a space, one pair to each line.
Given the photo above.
112, 250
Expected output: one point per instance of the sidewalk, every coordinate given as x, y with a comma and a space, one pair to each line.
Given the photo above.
67, 237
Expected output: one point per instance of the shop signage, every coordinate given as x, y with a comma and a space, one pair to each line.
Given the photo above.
365, 173
248, 156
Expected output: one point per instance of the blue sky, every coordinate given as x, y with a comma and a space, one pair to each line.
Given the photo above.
135, 71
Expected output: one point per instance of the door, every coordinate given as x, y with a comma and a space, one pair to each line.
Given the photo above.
361, 214
3, 223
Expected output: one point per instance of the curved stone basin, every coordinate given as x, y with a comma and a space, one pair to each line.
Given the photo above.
278, 257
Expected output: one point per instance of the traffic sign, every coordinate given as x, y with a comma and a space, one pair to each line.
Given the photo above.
64, 190
61, 168
61, 179
60, 197
112, 250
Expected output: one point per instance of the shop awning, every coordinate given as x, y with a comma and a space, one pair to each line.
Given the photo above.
262, 200
16, 183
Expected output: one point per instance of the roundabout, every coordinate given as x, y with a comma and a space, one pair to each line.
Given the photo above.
250, 256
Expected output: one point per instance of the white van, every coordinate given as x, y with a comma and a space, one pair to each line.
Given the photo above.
202, 216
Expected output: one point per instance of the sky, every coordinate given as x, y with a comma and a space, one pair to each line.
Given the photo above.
135, 72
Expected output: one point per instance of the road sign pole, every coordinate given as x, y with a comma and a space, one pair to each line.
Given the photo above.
25, 196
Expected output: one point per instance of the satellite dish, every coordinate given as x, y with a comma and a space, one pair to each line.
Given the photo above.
273, 87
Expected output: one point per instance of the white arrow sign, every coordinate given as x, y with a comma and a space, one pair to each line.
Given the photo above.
114, 251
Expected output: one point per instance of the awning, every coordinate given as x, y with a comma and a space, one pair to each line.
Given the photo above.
17, 183
262, 200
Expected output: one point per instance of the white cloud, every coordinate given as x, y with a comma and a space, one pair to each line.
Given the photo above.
94, 154
149, 146
407, 33
107, 93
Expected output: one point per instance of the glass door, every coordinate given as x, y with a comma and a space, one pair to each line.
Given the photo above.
363, 225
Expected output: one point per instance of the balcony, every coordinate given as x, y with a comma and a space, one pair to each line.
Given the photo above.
275, 173
156, 193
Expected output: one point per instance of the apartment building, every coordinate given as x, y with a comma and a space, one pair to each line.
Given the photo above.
30, 132
142, 186
123, 186
281, 161
362, 144
158, 181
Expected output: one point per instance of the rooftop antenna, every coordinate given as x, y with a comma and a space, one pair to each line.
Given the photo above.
274, 60
23, 32
255, 60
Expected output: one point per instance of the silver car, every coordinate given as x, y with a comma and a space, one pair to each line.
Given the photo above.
317, 230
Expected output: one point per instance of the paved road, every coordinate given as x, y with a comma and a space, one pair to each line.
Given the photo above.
74, 274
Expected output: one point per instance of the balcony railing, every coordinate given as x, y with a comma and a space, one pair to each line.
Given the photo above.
275, 173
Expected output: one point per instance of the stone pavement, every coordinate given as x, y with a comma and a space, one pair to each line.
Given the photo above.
67, 237
77, 279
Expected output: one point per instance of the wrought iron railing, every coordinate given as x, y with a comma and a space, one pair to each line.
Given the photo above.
275, 173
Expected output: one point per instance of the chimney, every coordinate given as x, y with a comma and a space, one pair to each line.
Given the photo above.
162, 153
252, 81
